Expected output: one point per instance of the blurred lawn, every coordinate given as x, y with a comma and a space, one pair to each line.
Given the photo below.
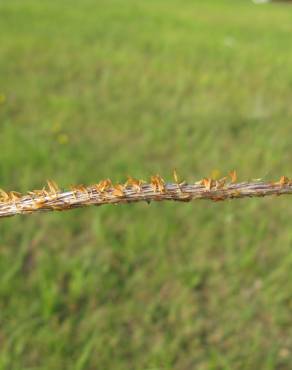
92, 89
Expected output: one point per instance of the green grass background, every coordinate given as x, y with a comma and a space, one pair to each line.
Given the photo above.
94, 89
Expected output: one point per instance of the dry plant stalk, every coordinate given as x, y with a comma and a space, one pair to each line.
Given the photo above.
52, 198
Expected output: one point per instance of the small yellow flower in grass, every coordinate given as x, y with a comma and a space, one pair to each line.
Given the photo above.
2, 98
62, 139
56, 128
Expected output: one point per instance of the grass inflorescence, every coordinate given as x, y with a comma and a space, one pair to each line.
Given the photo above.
52, 198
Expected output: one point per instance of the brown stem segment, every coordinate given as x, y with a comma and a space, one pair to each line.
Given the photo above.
53, 199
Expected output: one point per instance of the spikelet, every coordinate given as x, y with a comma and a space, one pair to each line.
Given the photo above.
74, 191
41, 192
220, 184
283, 181
233, 176
103, 185
14, 196
118, 190
134, 183
177, 180
208, 183
175, 176
81, 188
10, 196
158, 184
53, 188
4, 196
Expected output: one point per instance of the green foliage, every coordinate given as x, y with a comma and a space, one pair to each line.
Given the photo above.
92, 89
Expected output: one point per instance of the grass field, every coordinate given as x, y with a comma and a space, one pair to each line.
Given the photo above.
94, 89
